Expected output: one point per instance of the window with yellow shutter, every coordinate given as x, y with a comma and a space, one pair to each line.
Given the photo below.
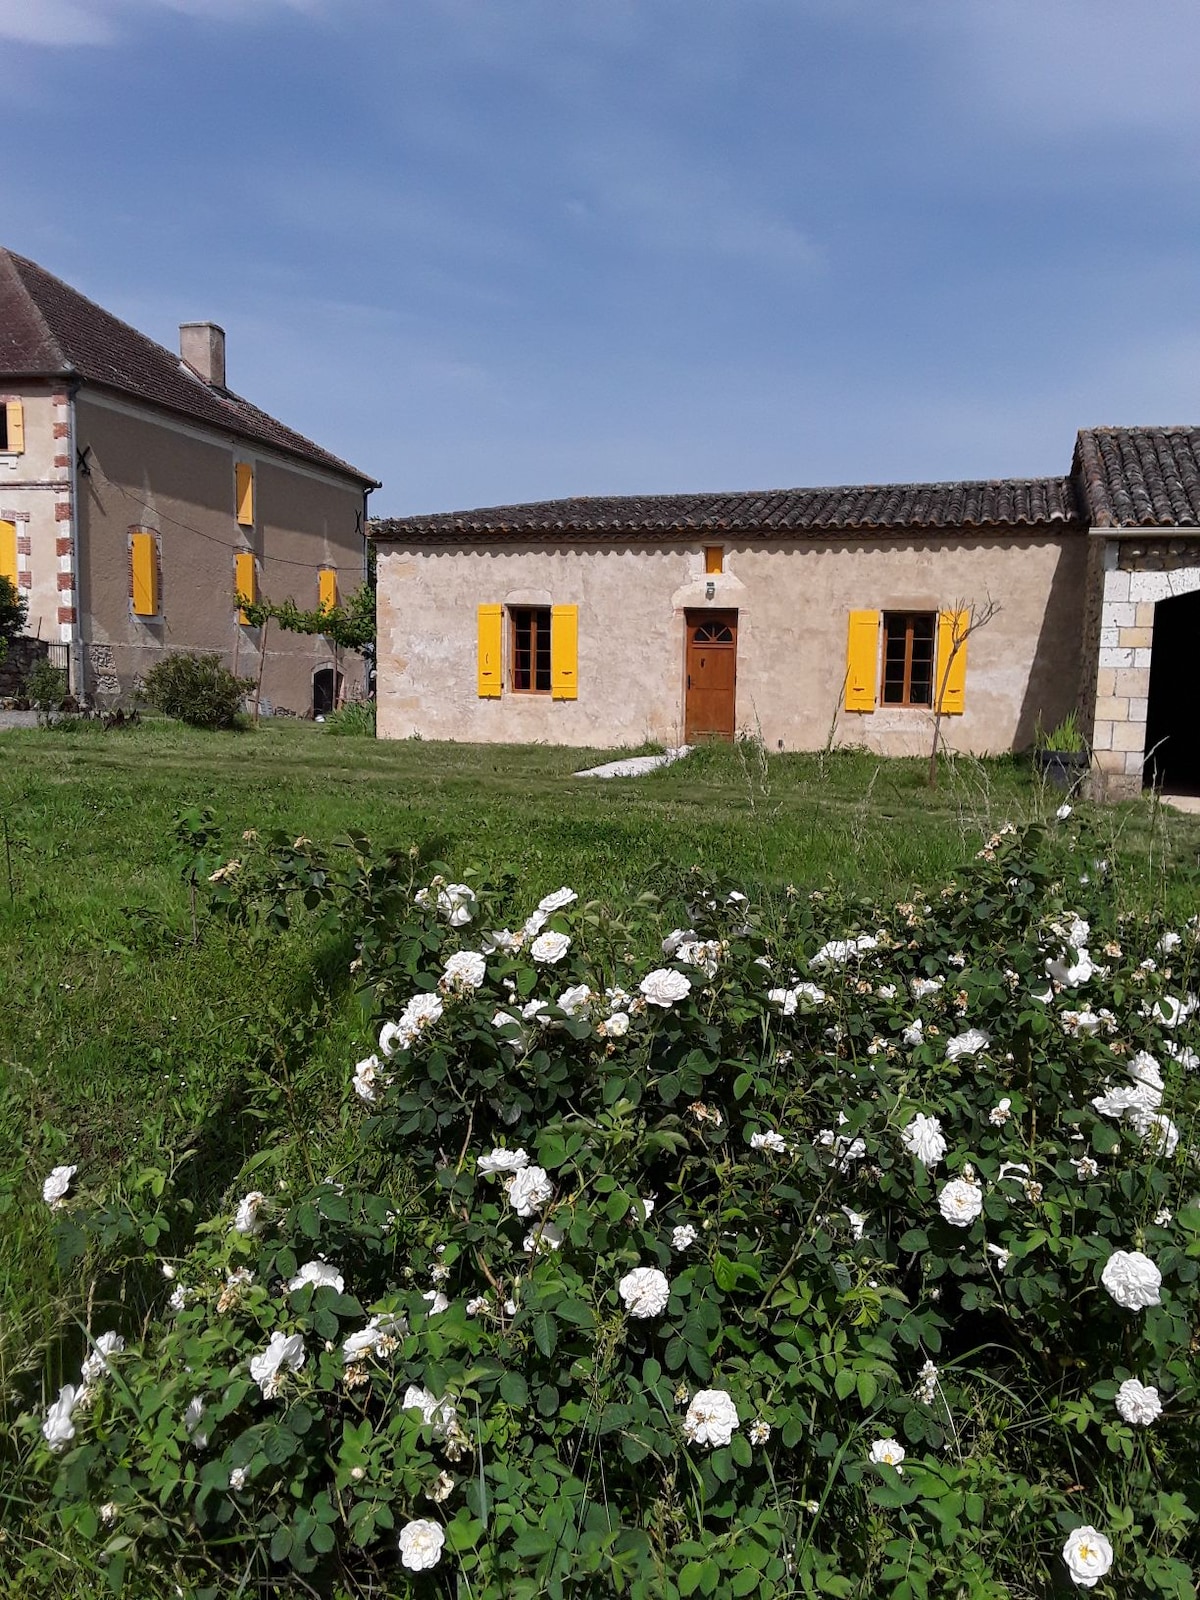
12, 428
245, 582
327, 589
143, 561
243, 474
8, 552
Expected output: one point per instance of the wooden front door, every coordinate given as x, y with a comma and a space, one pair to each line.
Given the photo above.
711, 675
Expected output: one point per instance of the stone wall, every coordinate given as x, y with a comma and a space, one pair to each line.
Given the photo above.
22, 654
1137, 574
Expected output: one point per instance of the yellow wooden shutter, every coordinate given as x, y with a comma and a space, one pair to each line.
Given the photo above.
143, 551
245, 580
8, 552
953, 692
244, 493
564, 652
327, 595
862, 661
491, 629
16, 427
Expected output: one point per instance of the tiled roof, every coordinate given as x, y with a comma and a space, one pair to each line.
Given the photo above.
1005, 503
49, 330
1140, 477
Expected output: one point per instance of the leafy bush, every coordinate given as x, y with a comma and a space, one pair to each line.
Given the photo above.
45, 685
356, 719
196, 688
848, 1250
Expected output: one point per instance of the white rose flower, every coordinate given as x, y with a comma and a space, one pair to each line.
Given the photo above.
502, 1160
550, 947
785, 999
914, 1034
673, 940
436, 1413
960, 1202
466, 969
320, 1274
759, 1431
808, 996
528, 1190
543, 1238
478, 1305
377, 1338
95, 1363
1063, 812
642, 1208
1139, 1403
1143, 1068
58, 1430
551, 903
1088, 1555
770, 1140
54, 1189
1157, 1130
857, 1221
645, 1292
502, 939
664, 987
1071, 974
238, 1477
617, 1026
1132, 1279
368, 1079
966, 1044
1000, 1113
683, 1237
534, 923
192, 1417
888, 1452
421, 1544
711, 1418
284, 1353
1001, 1255
1123, 1100
421, 1012
437, 1302
922, 988
924, 1139
248, 1218
577, 1000
456, 904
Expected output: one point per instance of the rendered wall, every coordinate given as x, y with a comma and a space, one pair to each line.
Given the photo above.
176, 480
793, 600
35, 495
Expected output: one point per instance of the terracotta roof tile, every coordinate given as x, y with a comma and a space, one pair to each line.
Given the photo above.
1007, 503
49, 330
1140, 477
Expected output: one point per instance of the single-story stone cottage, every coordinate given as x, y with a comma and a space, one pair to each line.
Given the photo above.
811, 615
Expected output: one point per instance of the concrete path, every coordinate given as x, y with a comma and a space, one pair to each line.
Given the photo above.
1182, 802
634, 766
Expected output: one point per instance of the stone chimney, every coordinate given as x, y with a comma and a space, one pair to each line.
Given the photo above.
202, 347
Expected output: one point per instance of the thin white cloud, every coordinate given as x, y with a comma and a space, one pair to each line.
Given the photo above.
67, 24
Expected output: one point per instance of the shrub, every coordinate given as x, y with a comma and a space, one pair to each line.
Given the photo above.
356, 719
848, 1250
197, 689
45, 685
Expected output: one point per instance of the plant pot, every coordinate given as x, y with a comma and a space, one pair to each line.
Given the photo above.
1065, 769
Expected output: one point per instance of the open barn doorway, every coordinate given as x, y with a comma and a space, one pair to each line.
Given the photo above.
326, 691
1173, 709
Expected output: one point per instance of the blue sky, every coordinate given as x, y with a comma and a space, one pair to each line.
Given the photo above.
496, 250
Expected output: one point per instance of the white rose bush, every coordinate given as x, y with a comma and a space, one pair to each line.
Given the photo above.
653, 1309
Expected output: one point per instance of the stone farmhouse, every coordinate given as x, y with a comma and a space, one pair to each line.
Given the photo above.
811, 615
140, 496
